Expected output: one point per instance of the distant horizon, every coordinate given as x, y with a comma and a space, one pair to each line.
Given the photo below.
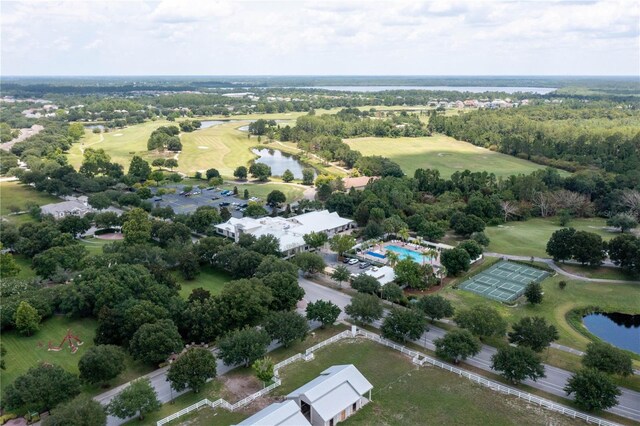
636, 76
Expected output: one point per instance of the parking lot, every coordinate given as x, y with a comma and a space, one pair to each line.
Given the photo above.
331, 259
184, 204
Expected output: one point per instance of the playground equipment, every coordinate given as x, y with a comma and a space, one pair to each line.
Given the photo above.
70, 338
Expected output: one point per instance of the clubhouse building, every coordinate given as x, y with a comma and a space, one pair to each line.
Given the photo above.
290, 232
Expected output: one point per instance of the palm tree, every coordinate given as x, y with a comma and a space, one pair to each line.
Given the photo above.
404, 234
432, 253
392, 257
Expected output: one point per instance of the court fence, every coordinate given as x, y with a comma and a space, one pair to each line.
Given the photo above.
418, 358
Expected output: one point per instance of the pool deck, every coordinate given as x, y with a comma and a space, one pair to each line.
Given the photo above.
381, 249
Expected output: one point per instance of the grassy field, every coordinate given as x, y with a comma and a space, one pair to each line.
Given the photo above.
94, 245
15, 194
530, 238
209, 279
604, 272
443, 153
405, 395
261, 190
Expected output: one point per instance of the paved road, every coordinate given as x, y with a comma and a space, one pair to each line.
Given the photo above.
561, 271
628, 403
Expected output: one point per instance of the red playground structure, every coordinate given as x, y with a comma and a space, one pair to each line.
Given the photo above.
73, 341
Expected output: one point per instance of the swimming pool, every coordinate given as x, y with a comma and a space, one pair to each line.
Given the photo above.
406, 253
374, 254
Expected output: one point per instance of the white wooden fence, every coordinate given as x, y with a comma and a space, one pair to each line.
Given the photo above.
417, 358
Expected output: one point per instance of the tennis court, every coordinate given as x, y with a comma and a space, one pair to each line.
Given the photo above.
504, 281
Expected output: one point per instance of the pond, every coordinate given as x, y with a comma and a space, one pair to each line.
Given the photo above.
621, 330
279, 162
94, 126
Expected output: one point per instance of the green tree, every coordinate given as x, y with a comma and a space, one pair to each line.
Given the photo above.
74, 225
192, 369
240, 173
260, 171
80, 411
472, 247
608, 359
560, 245
483, 321
95, 162
340, 274
624, 250
158, 162
323, 311
264, 369
533, 293
243, 346
3, 352
8, 266
275, 198
341, 243
212, 173
255, 210
392, 292
517, 364
171, 163
315, 239
287, 176
41, 388
588, 248
153, 343
27, 319
245, 195
622, 221
139, 169
466, 225
136, 227
365, 308
534, 333
411, 274
139, 398
307, 176
365, 284
404, 324
309, 263
101, 363
435, 307
594, 390
457, 345
99, 201
562, 285
455, 261
286, 327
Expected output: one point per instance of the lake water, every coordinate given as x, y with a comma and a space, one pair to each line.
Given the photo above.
621, 330
472, 89
94, 126
210, 123
279, 162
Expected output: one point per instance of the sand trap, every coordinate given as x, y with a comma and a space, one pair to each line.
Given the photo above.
112, 236
203, 147
117, 134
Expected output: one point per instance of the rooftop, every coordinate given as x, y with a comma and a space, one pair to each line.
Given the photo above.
282, 413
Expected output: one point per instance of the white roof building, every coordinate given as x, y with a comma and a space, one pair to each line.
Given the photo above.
288, 231
279, 414
384, 274
332, 397
73, 206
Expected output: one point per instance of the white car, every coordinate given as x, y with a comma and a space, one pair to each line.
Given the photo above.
353, 261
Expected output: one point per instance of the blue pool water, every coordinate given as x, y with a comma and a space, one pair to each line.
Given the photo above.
406, 253
374, 254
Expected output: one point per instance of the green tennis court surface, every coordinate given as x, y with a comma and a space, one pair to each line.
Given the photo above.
504, 281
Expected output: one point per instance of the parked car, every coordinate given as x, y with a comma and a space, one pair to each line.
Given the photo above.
244, 205
211, 188
353, 261
157, 199
364, 265
215, 198
224, 204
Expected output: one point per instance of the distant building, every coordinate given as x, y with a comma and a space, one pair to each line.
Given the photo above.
384, 274
290, 232
358, 182
279, 414
335, 395
73, 206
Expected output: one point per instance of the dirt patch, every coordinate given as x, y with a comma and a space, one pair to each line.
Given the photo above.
239, 386
112, 236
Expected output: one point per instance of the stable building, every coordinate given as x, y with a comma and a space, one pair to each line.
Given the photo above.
279, 414
339, 392
290, 232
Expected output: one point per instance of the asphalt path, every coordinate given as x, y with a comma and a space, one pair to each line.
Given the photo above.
628, 403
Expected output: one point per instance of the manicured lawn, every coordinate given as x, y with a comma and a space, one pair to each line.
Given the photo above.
209, 279
441, 152
405, 395
529, 238
25, 266
24, 352
261, 190
604, 272
94, 245
15, 194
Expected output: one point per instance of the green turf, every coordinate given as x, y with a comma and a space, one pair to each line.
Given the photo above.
441, 152
14, 194
529, 238
608, 273
209, 279
25, 266
405, 395
24, 352
94, 245
261, 190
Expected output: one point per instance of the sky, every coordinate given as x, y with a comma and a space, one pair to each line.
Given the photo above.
320, 37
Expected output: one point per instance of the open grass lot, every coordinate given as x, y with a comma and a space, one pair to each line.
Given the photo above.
209, 279
529, 238
15, 194
261, 190
604, 272
443, 153
405, 395
94, 245
25, 266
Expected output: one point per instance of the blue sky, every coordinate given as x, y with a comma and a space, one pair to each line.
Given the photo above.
208, 37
